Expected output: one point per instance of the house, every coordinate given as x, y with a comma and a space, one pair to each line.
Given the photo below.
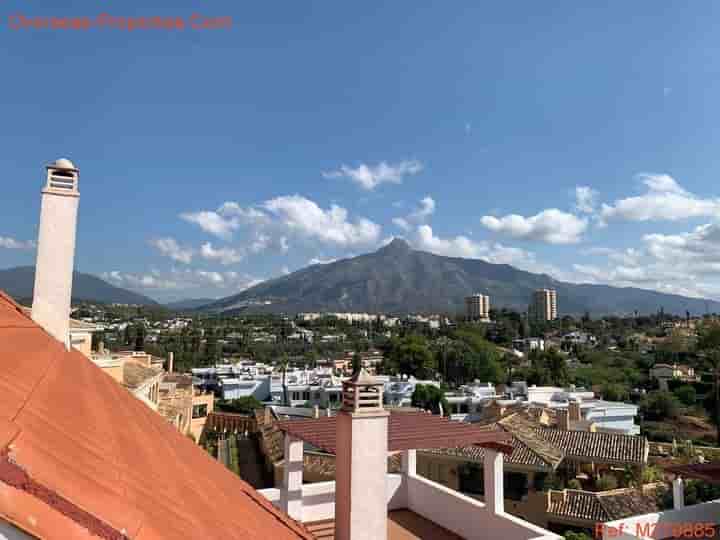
183, 405
579, 509
538, 453
362, 436
664, 373
607, 415
528, 344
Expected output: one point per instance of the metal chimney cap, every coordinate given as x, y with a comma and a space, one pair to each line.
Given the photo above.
63, 163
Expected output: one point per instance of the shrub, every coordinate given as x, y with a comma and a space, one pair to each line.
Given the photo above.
615, 392
686, 394
660, 405
574, 483
572, 535
606, 482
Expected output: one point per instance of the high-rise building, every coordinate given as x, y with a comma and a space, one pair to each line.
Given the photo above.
477, 307
544, 305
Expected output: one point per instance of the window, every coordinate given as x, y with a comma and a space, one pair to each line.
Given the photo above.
306, 396
199, 411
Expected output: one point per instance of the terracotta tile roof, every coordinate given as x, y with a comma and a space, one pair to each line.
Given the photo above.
708, 472
544, 448
406, 431
527, 449
600, 507
80, 455
135, 374
323, 465
599, 447
576, 504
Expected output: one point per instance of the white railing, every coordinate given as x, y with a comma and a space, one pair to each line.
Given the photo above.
668, 524
319, 498
462, 515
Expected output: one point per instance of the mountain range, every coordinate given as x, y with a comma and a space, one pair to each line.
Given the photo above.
19, 282
398, 279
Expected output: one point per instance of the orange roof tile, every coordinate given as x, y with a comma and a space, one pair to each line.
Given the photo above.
406, 431
78, 451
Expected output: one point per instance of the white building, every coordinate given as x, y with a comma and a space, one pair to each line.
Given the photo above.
398, 390
543, 306
606, 415
467, 403
528, 344
477, 307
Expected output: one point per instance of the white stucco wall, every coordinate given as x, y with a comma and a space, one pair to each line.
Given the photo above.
319, 498
465, 516
54, 264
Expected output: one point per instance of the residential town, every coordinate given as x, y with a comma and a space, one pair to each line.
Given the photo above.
360, 271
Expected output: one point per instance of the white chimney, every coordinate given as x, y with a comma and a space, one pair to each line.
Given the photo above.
56, 250
361, 461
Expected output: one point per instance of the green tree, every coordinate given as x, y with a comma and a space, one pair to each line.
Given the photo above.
429, 397
411, 355
660, 405
686, 394
615, 392
243, 405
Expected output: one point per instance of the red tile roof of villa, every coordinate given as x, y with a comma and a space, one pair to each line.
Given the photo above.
80, 457
708, 472
406, 431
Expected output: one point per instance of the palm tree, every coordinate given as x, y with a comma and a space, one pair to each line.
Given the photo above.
283, 367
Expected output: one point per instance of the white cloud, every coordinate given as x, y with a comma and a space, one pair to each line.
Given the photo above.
10, 243
369, 177
223, 255
321, 260
628, 256
305, 218
170, 248
585, 199
227, 219
685, 263
552, 226
188, 280
425, 210
699, 248
664, 199
212, 222
272, 223
461, 246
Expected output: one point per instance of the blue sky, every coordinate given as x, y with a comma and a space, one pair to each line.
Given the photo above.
580, 141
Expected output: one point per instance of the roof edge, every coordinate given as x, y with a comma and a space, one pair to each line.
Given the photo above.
16, 477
